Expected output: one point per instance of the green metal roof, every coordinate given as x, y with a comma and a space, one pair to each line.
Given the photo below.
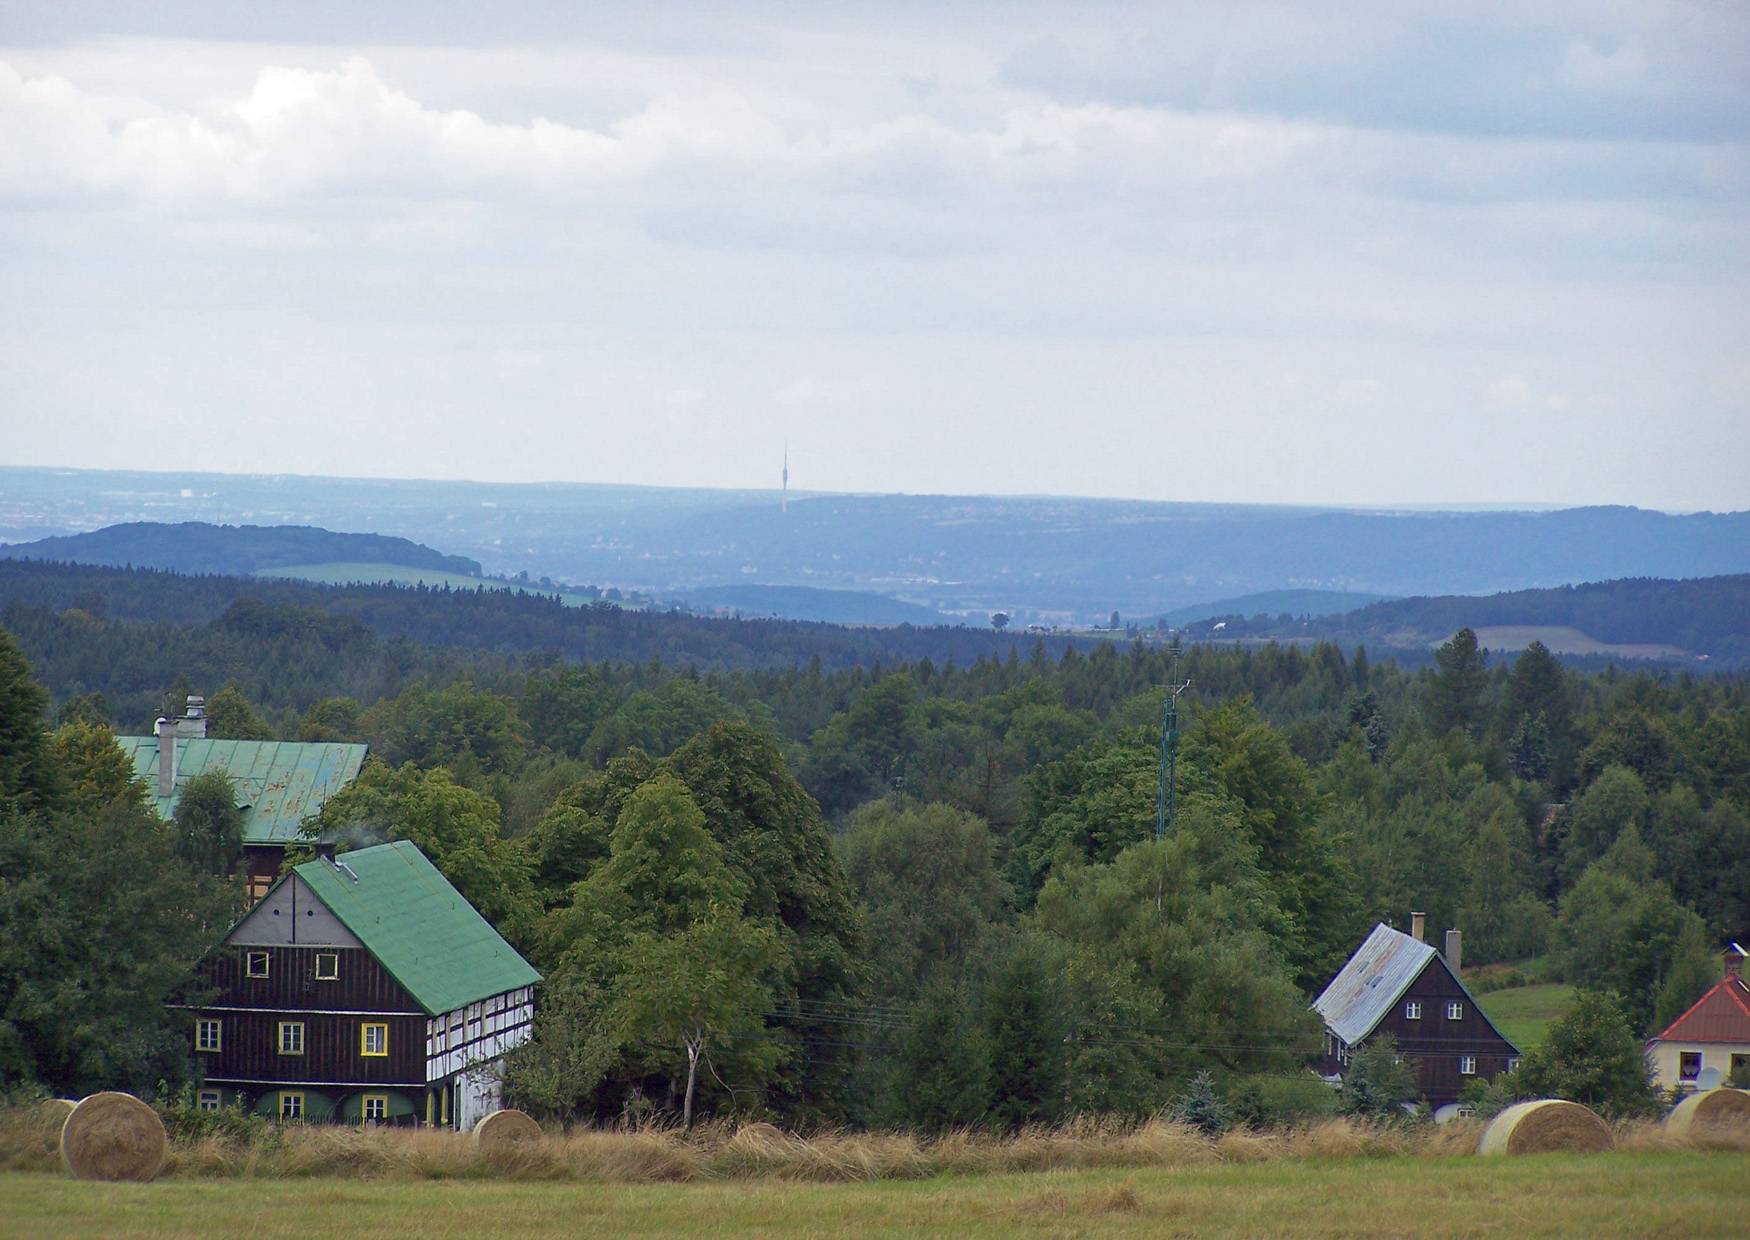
418, 927
279, 783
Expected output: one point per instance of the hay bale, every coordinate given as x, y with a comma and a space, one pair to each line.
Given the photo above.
1711, 1112
1544, 1127
111, 1136
504, 1129
56, 1110
759, 1134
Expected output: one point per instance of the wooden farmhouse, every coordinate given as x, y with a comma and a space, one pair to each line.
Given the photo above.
278, 783
362, 988
1710, 1043
1397, 984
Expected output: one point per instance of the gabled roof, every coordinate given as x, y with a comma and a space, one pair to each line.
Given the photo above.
1721, 1015
279, 783
1365, 989
418, 927
1385, 965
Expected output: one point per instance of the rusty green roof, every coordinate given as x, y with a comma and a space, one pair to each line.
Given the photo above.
418, 926
278, 783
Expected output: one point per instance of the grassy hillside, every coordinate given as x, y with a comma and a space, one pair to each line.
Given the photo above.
1524, 1013
198, 547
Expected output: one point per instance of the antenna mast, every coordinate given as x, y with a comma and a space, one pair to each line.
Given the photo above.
784, 496
1167, 798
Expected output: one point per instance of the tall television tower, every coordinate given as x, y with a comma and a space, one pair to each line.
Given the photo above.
784, 496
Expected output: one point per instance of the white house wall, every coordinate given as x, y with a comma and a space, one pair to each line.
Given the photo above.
478, 1033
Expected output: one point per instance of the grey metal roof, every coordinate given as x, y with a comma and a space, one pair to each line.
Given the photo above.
1381, 969
278, 783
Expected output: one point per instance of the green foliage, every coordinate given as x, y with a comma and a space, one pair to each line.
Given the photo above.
469, 728
24, 765
941, 1063
1614, 801
100, 925
1379, 1082
454, 826
927, 883
94, 771
209, 824
231, 717
331, 719
1623, 934
562, 705
1591, 1056
1454, 696
1201, 1106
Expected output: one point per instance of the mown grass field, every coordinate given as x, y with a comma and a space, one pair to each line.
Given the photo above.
1690, 1194
1523, 1013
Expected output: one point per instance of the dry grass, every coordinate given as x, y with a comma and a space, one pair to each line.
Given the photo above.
720, 1152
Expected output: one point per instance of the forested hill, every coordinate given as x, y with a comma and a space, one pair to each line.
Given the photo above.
200, 547
1700, 616
485, 618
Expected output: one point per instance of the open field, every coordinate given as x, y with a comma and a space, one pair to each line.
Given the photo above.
1692, 1194
1561, 639
1524, 1013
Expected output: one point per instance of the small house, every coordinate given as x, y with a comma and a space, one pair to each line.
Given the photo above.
277, 783
362, 988
1397, 984
1710, 1043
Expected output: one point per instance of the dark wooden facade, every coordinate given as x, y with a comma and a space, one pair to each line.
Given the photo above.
333, 1011
1439, 1044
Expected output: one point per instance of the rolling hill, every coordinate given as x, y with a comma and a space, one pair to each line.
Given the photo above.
200, 547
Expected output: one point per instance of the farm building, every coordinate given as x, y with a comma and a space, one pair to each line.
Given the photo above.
1397, 984
362, 987
1714, 1034
278, 783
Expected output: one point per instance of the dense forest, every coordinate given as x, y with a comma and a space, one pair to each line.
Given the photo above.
864, 887
1706, 616
200, 547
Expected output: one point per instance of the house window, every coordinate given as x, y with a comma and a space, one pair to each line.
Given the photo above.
1513, 1064
327, 966
1467, 1065
1412, 1011
291, 1104
1455, 1010
255, 964
1688, 1065
373, 1040
291, 1037
375, 1108
208, 1100
208, 1035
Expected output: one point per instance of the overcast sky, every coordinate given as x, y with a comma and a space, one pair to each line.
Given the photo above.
1352, 253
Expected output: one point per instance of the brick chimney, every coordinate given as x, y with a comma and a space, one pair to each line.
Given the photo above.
1418, 922
166, 756
1454, 950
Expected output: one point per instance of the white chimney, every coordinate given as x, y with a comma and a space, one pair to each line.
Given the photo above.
166, 757
1417, 922
194, 723
1454, 950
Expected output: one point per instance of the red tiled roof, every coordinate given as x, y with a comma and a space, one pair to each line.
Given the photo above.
1721, 1015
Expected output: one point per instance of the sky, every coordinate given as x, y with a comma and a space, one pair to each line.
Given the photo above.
1357, 253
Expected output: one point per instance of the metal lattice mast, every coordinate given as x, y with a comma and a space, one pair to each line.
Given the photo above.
1167, 797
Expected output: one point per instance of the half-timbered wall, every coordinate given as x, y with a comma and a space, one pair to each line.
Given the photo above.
479, 1032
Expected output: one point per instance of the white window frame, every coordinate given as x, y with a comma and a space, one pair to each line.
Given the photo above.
293, 1044
1467, 1065
209, 1100
214, 1026
249, 959
1412, 1010
1454, 1009
333, 959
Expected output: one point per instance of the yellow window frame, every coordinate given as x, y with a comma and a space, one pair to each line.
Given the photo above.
365, 1116
201, 1028
249, 960
333, 960
365, 1039
295, 1096
285, 1026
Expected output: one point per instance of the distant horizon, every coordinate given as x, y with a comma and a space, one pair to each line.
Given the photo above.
796, 493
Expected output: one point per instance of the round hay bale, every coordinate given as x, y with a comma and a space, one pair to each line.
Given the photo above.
1709, 1113
504, 1129
56, 1110
1544, 1127
112, 1136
